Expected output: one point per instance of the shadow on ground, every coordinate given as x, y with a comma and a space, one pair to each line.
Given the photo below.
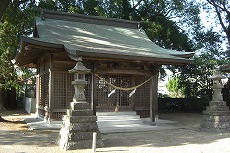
162, 138
159, 138
187, 133
36, 138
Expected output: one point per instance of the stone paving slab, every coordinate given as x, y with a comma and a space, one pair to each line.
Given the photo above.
36, 123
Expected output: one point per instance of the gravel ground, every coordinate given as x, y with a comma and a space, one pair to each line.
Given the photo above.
16, 138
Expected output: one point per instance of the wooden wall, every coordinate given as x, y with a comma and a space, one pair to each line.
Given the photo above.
55, 91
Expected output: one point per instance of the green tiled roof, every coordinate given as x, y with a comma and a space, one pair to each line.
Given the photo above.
80, 38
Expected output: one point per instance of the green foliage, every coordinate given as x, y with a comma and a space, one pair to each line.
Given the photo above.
221, 8
165, 22
16, 21
173, 24
175, 87
206, 60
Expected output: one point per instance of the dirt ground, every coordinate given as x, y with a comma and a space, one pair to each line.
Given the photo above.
15, 137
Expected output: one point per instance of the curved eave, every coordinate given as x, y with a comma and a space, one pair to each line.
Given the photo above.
184, 55
42, 43
28, 57
74, 54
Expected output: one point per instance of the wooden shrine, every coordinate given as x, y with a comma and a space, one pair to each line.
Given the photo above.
116, 51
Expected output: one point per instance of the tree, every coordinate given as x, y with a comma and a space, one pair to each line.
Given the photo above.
3, 6
17, 20
207, 58
175, 87
221, 8
173, 24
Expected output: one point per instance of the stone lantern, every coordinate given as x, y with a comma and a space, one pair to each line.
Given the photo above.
217, 86
79, 82
79, 124
216, 117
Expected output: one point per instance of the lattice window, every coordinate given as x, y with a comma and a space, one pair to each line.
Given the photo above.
57, 115
59, 91
88, 88
120, 97
46, 89
63, 90
142, 93
102, 92
41, 112
41, 88
124, 95
69, 88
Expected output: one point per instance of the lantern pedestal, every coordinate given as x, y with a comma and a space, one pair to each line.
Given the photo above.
216, 117
79, 123
78, 127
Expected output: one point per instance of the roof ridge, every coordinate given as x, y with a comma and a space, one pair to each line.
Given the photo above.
89, 19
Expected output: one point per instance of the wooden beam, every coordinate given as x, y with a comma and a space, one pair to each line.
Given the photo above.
123, 71
32, 46
153, 98
37, 92
51, 83
152, 113
93, 93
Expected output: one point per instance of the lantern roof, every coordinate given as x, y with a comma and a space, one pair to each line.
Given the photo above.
79, 68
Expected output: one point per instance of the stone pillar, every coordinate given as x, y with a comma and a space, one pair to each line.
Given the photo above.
79, 123
216, 117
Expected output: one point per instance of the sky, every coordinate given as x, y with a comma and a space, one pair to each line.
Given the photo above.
209, 21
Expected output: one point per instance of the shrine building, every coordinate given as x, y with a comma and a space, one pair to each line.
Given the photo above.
124, 63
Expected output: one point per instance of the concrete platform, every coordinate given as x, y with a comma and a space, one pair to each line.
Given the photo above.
111, 122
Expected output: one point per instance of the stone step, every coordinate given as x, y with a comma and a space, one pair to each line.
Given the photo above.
85, 112
123, 128
82, 126
216, 118
217, 103
219, 125
108, 119
121, 113
217, 113
215, 130
217, 108
120, 117
77, 119
119, 122
79, 105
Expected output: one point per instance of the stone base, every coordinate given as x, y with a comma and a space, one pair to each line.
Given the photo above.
80, 144
215, 127
78, 127
215, 130
77, 135
216, 118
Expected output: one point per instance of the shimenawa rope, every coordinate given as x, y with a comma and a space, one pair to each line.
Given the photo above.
124, 89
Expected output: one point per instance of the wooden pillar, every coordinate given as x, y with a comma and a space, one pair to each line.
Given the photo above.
50, 96
153, 98
156, 93
51, 82
37, 93
133, 82
93, 92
